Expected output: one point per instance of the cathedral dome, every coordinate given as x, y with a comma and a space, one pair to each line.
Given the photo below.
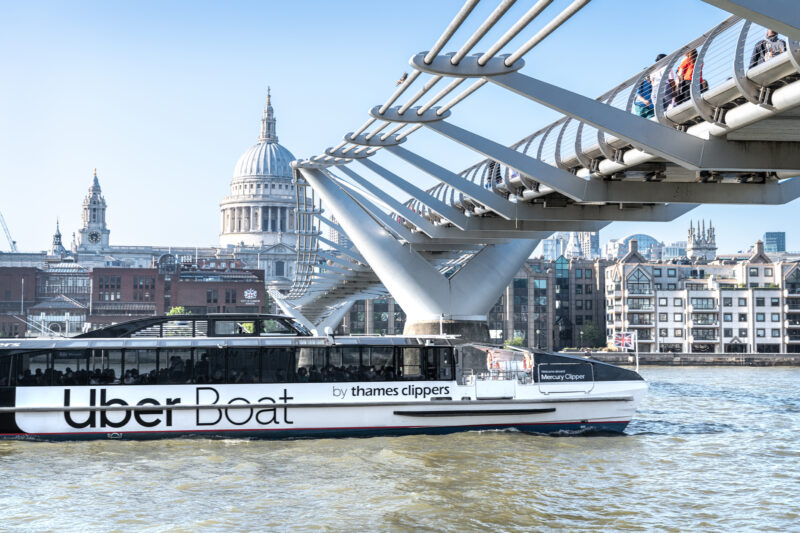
266, 158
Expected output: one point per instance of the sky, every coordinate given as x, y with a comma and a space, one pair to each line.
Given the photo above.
163, 97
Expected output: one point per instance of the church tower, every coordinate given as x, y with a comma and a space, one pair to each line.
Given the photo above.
93, 235
57, 248
702, 242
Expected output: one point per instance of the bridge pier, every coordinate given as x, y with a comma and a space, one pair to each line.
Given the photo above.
432, 301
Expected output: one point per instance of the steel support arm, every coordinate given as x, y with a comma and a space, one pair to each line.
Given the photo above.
498, 204
782, 16
448, 212
681, 148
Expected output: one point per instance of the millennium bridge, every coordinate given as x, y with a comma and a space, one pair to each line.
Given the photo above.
726, 132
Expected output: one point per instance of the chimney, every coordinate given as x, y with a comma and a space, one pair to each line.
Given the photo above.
634, 246
759, 247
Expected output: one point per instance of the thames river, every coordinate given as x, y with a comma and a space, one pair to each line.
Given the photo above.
711, 449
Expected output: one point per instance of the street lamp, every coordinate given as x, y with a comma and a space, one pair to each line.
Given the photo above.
538, 340
581, 332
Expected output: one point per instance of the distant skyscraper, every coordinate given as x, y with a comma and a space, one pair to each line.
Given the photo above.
702, 242
675, 250
589, 242
339, 238
775, 241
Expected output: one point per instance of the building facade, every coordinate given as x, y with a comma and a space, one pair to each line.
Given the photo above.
775, 241
722, 306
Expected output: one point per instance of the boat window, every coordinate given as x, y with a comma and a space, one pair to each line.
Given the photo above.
5, 369
275, 327
444, 357
210, 365
71, 367
32, 369
310, 362
232, 328
343, 364
277, 365
105, 367
243, 365
411, 364
140, 367
174, 366
380, 361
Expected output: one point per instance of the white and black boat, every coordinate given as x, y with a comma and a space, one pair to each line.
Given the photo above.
265, 376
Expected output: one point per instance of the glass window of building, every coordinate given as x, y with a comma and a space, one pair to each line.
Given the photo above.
727, 302
671, 286
678, 317
727, 317
679, 332
742, 317
776, 332
775, 317
760, 317
775, 302
767, 271
703, 303
662, 317
671, 272
662, 332
588, 273
663, 301
761, 332
742, 302
754, 271
520, 286
678, 302
578, 273
657, 272
380, 316
727, 332
760, 302
638, 283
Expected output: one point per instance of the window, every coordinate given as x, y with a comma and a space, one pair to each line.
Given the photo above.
767, 271
753, 285
230, 296
754, 271
224, 328
587, 305
677, 302
761, 332
727, 317
671, 273
775, 302
742, 317
663, 317
679, 332
657, 272
212, 296
727, 332
760, 302
578, 304
658, 286
678, 317
703, 303
760, 317
742, 302
588, 289
578, 273
727, 302
411, 363
588, 273
662, 332
663, 301
775, 317
743, 332
671, 286
638, 283
776, 332
174, 366
579, 320
579, 289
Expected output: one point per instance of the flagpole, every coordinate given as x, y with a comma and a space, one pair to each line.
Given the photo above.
636, 347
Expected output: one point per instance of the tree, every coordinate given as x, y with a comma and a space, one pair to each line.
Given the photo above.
178, 310
593, 337
516, 341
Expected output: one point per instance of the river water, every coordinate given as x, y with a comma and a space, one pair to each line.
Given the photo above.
711, 449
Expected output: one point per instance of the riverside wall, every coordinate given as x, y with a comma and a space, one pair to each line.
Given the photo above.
700, 359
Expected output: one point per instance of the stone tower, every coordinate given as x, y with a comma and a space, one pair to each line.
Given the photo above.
702, 242
93, 235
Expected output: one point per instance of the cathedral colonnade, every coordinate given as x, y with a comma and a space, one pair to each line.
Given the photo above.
247, 219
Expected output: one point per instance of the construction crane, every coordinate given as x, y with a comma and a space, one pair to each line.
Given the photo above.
11, 241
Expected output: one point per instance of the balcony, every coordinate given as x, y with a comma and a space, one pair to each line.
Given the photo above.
640, 292
645, 308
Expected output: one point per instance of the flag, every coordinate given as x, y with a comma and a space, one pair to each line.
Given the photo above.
624, 340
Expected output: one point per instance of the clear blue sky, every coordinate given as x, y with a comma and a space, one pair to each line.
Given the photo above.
163, 97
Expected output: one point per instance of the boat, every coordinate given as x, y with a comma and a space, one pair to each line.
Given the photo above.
266, 376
